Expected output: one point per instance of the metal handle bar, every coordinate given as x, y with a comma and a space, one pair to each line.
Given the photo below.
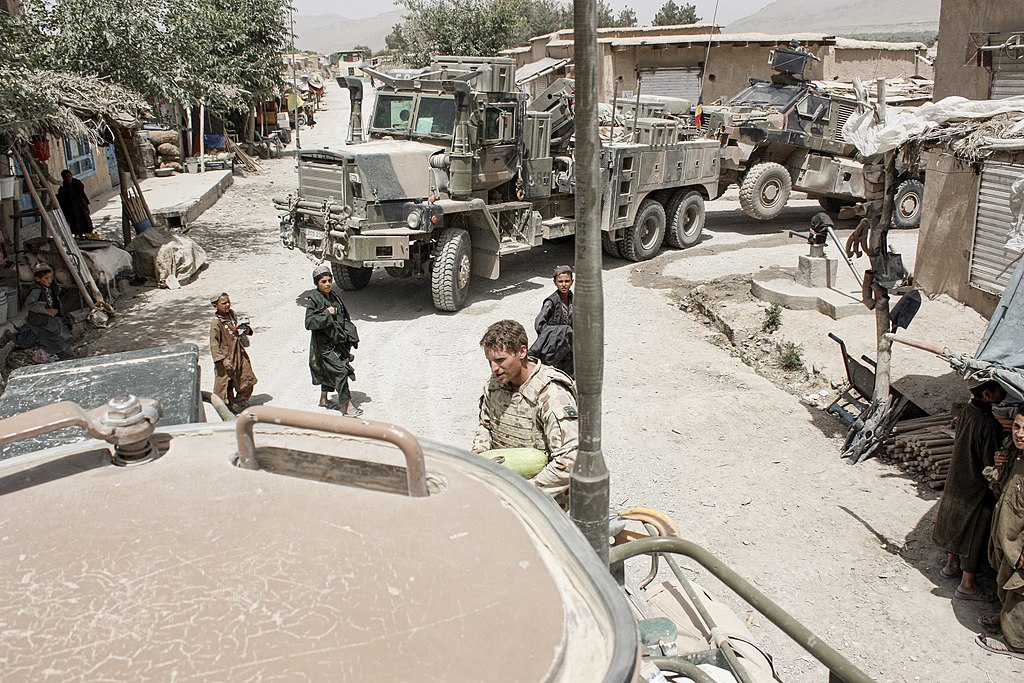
415, 470
816, 647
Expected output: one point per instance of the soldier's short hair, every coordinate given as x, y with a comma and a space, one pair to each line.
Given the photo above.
506, 335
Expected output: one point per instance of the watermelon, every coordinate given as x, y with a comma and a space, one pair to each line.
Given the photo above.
526, 462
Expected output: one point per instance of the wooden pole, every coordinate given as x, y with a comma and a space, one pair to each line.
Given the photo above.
135, 178
202, 137
27, 161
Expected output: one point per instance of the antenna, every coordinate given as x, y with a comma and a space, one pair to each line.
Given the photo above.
707, 53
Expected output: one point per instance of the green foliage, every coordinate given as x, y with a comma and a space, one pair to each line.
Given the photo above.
365, 49
672, 14
791, 356
772, 318
484, 27
926, 37
224, 52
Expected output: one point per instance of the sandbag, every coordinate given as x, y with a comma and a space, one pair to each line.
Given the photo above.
168, 151
168, 258
159, 137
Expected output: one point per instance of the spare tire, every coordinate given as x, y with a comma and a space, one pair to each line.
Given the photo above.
907, 203
765, 190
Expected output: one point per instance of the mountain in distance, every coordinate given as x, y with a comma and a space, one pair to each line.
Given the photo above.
327, 33
841, 17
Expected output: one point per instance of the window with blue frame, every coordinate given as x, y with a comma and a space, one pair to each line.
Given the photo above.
79, 156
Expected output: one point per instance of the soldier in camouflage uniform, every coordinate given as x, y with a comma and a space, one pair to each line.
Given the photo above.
527, 404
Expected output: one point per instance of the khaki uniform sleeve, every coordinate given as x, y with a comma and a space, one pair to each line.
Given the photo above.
561, 434
482, 438
217, 349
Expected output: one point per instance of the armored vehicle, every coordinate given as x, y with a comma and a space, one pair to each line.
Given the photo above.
787, 134
290, 546
459, 169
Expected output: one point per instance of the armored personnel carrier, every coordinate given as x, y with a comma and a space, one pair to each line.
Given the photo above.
787, 134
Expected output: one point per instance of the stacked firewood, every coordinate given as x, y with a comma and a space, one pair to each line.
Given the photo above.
923, 447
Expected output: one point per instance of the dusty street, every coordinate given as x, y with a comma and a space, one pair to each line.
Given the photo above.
746, 468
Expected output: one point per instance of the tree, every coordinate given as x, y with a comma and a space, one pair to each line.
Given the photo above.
365, 50
672, 14
456, 27
484, 27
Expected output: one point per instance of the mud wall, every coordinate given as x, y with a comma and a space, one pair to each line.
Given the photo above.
957, 19
946, 233
845, 63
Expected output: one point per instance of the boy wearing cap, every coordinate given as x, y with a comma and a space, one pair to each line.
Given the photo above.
46, 325
234, 379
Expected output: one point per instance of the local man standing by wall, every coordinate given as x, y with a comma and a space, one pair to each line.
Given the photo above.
74, 204
527, 404
964, 519
1007, 552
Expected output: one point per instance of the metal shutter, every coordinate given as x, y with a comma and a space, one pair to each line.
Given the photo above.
682, 82
1007, 72
990, 261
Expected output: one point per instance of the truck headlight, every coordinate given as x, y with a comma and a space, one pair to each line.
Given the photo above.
413, 220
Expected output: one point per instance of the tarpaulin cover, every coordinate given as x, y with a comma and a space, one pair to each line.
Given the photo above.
168, 258
903, 124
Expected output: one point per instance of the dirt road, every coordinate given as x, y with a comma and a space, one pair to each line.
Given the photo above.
745, 467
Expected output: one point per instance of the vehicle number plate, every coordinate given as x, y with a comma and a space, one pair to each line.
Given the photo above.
315, 235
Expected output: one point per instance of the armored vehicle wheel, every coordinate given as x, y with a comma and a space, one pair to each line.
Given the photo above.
350, 279
449, 276
644, 238
685, 219
906, 207
610, 246
765, 190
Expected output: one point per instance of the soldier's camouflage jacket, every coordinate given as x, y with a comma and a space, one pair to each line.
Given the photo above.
540, 414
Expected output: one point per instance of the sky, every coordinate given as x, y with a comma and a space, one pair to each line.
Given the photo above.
728, 10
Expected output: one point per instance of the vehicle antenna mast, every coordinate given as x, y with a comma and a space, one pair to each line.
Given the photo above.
588, 486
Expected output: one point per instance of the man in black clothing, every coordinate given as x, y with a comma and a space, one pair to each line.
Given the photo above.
74, 203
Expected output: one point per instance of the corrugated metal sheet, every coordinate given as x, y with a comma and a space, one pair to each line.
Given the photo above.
681, 82
991, 263
1007, 72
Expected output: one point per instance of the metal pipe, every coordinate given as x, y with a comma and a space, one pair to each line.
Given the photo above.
415, 469
681, 666
817, 648
720, 640
589, 481
219, 406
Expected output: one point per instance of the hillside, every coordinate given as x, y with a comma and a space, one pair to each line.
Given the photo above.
842, 17
327, 33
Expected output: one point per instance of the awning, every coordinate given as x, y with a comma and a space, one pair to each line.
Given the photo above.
541, 67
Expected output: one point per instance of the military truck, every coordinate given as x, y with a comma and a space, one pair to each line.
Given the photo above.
458, 169
787, 134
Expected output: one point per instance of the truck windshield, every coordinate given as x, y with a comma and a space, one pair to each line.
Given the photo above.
435, 116
392, 112
768, 95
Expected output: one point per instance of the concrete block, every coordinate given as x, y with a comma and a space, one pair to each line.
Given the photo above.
817, 272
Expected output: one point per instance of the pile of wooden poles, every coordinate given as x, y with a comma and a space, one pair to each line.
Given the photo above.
923, 447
